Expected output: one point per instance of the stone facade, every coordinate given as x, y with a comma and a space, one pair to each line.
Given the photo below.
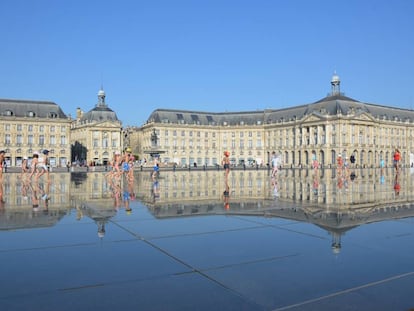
96, 134
30, 126
335, 125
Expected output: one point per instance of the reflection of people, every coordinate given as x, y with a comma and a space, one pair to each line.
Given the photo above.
352, 159
339, 162
155, 191
35, 196
1, 193
275, 187
226, 196
315, 186
45, 191
397, 186
127, 194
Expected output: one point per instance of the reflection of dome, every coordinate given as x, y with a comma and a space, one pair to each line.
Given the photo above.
101, 234
336, 248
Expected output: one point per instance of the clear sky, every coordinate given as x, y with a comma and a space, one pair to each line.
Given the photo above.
205, 55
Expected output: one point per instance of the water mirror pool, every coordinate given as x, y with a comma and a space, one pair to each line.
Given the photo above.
304, 240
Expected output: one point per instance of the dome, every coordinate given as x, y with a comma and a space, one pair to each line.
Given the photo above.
101, 92
335, 79
99, 114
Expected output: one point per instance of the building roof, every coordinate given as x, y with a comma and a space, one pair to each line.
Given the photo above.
205, 118
332, 105
30, 108
99, 114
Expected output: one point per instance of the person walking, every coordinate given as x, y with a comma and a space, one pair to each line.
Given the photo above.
315, 162
275, 163
226, 164
33, 164
397, 159
42, 165
2, 157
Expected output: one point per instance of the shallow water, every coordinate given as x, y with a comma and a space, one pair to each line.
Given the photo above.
304, 240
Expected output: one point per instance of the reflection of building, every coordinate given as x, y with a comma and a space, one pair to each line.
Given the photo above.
296, 186
370, 197
17, 192
331, 126
336, 208
199, 186
21, 197
96, 134
13, 219
28, 126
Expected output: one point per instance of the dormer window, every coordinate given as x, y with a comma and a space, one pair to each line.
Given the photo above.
9, 113
53, 115
31, 114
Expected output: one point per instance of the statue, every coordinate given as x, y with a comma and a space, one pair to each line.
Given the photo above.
154, 138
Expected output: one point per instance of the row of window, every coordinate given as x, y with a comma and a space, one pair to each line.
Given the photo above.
105, 143
31, 128
30, 139
30, 114
352, 129
206, 134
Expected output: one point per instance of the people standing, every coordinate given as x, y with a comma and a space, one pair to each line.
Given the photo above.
42, 165
33, 164
340, 164
397, 159
275, 163
25, 166
352, 159
2, 158
226, 164
382, 165
315, 162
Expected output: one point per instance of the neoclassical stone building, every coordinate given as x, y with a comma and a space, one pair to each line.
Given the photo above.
96, 134
28, 126
335, 125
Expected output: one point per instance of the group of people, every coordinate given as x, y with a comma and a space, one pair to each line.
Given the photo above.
122, 164
38, 166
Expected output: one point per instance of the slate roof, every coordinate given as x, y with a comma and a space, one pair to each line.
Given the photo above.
99, 114
328, 106
30, 108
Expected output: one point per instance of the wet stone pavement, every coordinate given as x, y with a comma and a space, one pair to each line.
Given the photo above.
300, 241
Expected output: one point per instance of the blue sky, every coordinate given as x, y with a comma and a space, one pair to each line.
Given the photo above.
205, 55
